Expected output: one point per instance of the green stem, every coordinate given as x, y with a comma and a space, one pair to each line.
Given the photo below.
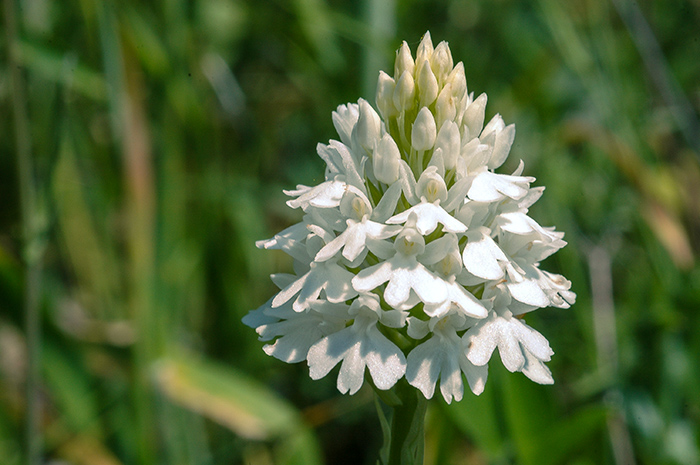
404, 440
31, 231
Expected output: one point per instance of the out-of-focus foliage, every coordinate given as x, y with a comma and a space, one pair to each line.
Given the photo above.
161, 136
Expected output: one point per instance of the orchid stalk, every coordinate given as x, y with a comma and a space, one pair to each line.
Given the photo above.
414, 259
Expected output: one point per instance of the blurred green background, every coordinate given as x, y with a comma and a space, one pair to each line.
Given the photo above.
144, 146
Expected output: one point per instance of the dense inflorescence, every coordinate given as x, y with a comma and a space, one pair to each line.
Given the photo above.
414, 257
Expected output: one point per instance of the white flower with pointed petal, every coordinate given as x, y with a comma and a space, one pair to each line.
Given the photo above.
428, 213
443, 357
329, 276
359, 228
296, 332
404, 273
325, 195
359, 346
444, 258
521, 348
482, 257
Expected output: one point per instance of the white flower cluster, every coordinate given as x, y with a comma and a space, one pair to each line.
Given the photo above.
414, 258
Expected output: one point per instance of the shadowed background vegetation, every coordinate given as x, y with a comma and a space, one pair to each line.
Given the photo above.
143, 150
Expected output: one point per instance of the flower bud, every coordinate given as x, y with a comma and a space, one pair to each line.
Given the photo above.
404, 61
385, 92
425, 49
368, 127
445, 109
427, 84
474, 116
458, 81
386, 160
424, 130
405, 92
441, 61
448, 140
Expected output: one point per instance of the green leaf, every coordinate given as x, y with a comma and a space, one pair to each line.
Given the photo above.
227, 397
71, 390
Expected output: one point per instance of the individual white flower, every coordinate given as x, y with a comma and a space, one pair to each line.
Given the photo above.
404, 273
328, 276
358, 346
428, 213
443, 357
413, 236
521, 348
353, 240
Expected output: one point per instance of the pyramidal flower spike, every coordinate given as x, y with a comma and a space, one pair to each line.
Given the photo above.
415, 260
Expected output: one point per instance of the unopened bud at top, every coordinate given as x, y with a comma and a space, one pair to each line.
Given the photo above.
441, 61
424, 131
405, 92
427, 83
425, 49
404, 61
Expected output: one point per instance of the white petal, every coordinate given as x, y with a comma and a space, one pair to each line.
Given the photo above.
428, 216
536, 370
489, 187
325, 195
474, 116
352, 371
290, 291
257, 317
387, 205
516, 222
509, 349
417, 329
352, 168
372, 277
439, 249
423, 367
476, 375
399, 287
385, 361
451, 384
338, 283
528, 292
466, 301
504, 141
430, 288
532, 341
481, 255
291, 241
333, 247
355, 242
326, 353
298, 335
482, 340
344, 119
